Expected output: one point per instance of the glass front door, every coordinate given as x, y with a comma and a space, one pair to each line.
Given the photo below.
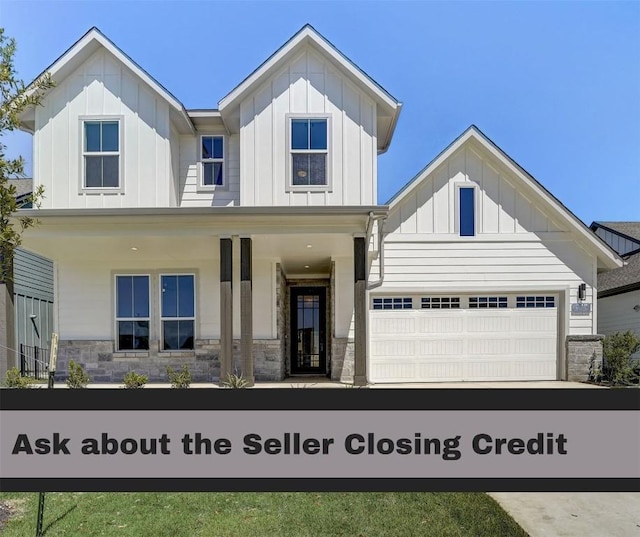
308, 333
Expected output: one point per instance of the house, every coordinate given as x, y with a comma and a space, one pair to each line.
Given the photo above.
31, 309
249, 238
619, 289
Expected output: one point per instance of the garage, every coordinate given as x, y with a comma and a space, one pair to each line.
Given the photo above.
452, 338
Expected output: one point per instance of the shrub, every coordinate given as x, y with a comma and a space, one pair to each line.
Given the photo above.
15, 380
133, 380
618, 348
235, 381
179, 379
78, 377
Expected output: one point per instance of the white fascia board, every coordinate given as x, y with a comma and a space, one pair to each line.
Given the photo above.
77, 53
308, 35
611, 259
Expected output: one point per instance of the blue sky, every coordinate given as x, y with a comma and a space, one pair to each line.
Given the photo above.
555, 84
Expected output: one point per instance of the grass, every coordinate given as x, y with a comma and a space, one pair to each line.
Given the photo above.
261, 514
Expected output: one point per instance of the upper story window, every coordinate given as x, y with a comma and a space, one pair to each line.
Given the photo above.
101, 154
467, 211
309, 145
212, 161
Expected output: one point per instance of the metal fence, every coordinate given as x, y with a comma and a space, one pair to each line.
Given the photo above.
34, 362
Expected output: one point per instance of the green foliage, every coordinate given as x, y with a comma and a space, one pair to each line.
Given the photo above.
13, 379
133, 380
15, 98
179, 379
77, 377
235, 381
618, 367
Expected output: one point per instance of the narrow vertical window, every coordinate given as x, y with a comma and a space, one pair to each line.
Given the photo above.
101, 152
177, 303
467, 212
132, 312
309, 152
212, 160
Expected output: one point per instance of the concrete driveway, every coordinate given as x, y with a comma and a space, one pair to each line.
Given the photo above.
573, 514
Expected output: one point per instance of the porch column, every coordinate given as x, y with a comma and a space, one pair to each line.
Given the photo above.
360, 311
226, 309
246, 311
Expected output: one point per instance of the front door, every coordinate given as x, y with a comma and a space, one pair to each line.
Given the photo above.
308, 330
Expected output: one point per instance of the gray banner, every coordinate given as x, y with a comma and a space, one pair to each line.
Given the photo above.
327, 444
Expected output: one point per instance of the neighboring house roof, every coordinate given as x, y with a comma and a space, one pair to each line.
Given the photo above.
388, 107
24, 187
605, 254
81, 50
626, 278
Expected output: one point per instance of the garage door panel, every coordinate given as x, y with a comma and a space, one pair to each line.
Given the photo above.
426, 345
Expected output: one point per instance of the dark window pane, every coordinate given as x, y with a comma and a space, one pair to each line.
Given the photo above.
467, 213
318, 134
207, 173
140, 296
110, 171
110, 136
169, 296
124, 296
300, 169
171, 336
185, 296
141, 335
218, 151
217, 173
185, 334
93, 172
92, 136
207, 147
299, 134
125, 335
317, 169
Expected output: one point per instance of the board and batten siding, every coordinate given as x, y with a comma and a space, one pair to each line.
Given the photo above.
616, 313
517, 246
308, 84
102, 86
190, 193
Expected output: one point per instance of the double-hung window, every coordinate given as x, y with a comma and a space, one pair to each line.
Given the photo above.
212, 161
101, 154
177, 311
132, 312
309, 145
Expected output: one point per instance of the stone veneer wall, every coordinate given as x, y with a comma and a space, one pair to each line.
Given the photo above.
342, 359
104, 365
584, 356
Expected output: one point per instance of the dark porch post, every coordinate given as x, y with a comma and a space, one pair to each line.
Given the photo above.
7, 316
360, 311
246, 311
226, 309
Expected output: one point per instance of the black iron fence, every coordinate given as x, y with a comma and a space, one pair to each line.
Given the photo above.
34, 362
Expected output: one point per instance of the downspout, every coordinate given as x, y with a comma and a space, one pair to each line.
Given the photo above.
372, 219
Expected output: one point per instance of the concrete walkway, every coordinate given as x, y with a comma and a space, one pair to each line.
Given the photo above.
572, 514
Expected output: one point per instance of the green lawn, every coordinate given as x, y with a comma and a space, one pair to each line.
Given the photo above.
261, 515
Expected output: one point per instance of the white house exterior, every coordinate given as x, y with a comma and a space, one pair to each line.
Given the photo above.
249, 238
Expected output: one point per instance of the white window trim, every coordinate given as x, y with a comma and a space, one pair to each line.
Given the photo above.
308, 188
162, 318
201, 185
118, 319
120, 153
476, 209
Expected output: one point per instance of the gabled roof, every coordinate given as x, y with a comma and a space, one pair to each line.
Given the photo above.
88, 44
555, 207
628, 230
388, 107
627, 278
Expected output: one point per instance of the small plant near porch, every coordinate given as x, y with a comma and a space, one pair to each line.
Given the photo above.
133, 380
15, 380
179, 379
235, 381
78, 377
618, 368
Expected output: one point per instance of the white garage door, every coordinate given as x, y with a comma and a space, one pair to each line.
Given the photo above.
463, 338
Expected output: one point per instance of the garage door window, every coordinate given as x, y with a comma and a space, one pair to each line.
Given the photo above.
480, 302
535, 302
393, 303
440, 303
